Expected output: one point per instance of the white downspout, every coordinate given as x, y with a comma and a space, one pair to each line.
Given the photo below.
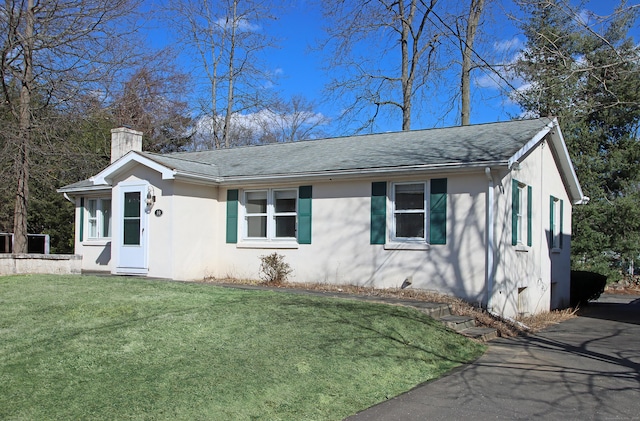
490, 250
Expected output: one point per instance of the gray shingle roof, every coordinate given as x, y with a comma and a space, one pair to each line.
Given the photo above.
481, 144
476, 144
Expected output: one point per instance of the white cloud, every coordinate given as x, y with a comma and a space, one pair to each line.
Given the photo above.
242, 25
508, 45
263, 121
487, 81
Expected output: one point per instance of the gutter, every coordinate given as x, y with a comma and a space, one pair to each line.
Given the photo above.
490, 249
101, 187
357, 173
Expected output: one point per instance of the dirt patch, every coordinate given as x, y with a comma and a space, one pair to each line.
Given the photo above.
505, 328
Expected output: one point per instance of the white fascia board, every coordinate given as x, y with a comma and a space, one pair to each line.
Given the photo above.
530, 144
360, 173
568, 172
87, 189
129, 160
564, 161
197, 178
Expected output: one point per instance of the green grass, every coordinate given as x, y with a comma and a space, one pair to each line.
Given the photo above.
87, 347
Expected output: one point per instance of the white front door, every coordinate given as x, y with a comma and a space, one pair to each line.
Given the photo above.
132, 241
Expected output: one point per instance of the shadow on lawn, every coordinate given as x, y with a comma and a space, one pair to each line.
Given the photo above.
584, 368
367, 317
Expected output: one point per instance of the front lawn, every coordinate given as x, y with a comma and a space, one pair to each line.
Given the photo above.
84, 347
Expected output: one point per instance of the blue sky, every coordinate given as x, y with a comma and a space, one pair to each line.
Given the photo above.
300, 71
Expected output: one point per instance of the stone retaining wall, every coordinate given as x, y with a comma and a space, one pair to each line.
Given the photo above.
58, 264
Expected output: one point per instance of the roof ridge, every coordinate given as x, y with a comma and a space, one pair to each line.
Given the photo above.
354, 136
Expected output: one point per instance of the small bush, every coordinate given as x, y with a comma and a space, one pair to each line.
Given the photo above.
586, 286
273, 269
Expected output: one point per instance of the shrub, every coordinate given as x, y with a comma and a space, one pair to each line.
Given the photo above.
273, 269
586, 286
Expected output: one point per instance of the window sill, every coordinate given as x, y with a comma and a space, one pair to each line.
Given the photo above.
267, 245
556, 250
97, 242
522, 248
406, 246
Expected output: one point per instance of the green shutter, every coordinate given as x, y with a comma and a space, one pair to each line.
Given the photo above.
232, 216
515, 204
304, 214
81, 219
561, 218
529, 215
552, 202
438, 211
378, 212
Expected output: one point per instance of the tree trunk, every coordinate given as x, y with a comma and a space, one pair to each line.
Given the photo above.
231, 76
407, 86
20, 244
475, 10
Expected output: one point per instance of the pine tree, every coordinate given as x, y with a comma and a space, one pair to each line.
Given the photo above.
590, 79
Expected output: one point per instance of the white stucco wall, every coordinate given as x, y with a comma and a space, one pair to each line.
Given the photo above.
179, 225
341, 252
187, 241
193, 244
524, 278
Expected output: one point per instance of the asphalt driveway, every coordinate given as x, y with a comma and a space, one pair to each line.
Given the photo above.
587, 368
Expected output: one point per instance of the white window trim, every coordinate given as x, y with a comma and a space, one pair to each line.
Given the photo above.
555, 235
402, 243
271, 241
522, 218
99, 219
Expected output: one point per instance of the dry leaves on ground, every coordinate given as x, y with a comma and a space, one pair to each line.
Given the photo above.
528, 324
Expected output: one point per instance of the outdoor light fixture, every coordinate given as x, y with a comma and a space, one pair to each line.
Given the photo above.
151, 198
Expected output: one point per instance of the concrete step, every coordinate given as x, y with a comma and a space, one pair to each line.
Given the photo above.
458, 323
480, 333
434, 310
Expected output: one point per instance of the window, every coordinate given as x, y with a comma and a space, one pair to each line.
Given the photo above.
99, 218
555, 223
521, 214
409, 212
418, 213
271, 214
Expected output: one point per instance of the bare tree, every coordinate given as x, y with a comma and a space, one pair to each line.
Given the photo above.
50, 52
290, 121
152, 101
466, 47
363, 38
229, 40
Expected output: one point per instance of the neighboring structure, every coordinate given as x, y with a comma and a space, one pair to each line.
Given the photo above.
481, 212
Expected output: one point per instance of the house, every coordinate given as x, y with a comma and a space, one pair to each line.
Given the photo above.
482, 212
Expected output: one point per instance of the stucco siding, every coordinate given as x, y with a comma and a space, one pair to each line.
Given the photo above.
194, 235
527, 274
341, 253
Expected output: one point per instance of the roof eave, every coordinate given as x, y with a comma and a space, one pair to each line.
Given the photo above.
360, 173
564, 160
85, 189
573, 184
197, 178
131, 158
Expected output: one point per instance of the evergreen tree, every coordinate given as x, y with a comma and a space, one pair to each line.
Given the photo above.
589, 77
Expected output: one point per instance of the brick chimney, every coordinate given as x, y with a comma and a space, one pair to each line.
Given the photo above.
123, 140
